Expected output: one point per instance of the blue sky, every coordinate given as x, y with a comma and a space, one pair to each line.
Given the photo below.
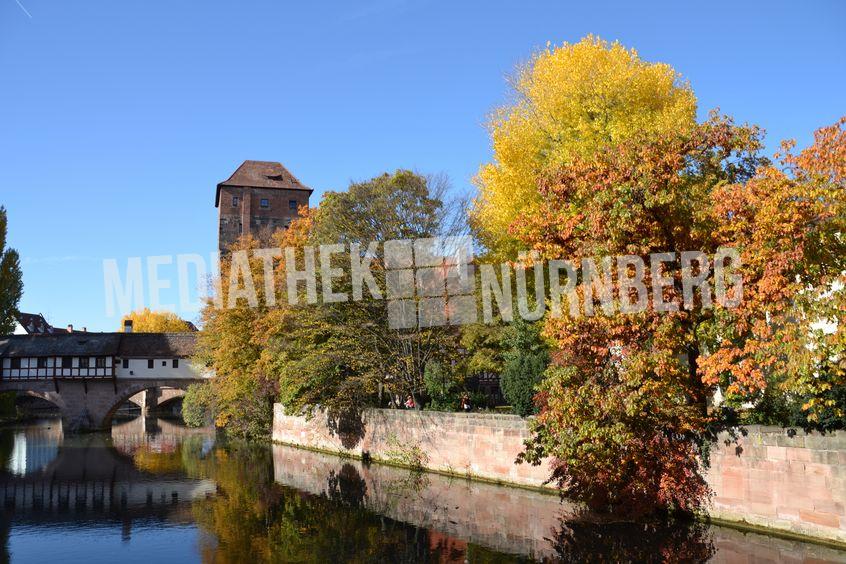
119, 118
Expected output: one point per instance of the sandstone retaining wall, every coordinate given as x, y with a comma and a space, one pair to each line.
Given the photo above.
772, 479
477, 444
767, 478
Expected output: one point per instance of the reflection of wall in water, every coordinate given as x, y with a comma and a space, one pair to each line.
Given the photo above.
34, 448
506, 519
511, 520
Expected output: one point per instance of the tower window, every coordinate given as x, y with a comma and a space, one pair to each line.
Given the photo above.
264, 203
292, 204
235, 200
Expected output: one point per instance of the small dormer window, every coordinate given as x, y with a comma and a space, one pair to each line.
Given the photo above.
265, 203
235, 201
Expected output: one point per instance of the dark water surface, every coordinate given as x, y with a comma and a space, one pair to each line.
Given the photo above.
155, 491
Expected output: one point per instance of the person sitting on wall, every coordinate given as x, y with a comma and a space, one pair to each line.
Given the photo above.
465, 403
409, 402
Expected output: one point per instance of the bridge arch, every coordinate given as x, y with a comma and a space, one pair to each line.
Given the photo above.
50, 397
88, 404
126, 391
169, 396
39, 403
158, 399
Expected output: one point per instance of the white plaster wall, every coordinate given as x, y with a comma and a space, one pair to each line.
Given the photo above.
162, 369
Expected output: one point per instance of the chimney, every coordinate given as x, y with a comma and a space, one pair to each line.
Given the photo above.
127, 326
70, 328
85, 329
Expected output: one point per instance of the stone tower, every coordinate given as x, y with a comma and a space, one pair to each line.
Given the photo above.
258, 198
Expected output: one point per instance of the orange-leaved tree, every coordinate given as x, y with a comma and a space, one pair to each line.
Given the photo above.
790, 328
619, 409
238, 335
625, 411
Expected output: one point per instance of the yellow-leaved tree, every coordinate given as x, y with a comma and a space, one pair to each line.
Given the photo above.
569, 101
149, 321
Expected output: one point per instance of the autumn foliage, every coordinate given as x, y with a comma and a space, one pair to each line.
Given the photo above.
626, 411
600, 155
150, 321
790, 223
341, 356
239, 341
571, 101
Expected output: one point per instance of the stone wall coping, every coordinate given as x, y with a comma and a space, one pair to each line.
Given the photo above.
460, 414
784, 430
781, 436
447, 414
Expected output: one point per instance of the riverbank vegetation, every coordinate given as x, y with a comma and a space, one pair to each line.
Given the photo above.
8, 409
600, 154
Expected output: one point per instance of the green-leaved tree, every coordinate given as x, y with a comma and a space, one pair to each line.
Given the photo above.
526, 358
11, 283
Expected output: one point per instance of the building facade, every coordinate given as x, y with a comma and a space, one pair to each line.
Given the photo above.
259, 198
98, 356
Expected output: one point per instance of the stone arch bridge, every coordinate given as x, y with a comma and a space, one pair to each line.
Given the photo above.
89, 375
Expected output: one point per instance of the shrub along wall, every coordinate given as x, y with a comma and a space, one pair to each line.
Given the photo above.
767, 478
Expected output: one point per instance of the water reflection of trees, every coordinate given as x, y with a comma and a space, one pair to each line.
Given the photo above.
582, 541
347, 487
254, 519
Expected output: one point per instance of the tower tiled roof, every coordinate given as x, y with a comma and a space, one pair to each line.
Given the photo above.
261, 174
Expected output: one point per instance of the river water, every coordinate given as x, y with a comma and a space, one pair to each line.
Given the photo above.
156, 491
